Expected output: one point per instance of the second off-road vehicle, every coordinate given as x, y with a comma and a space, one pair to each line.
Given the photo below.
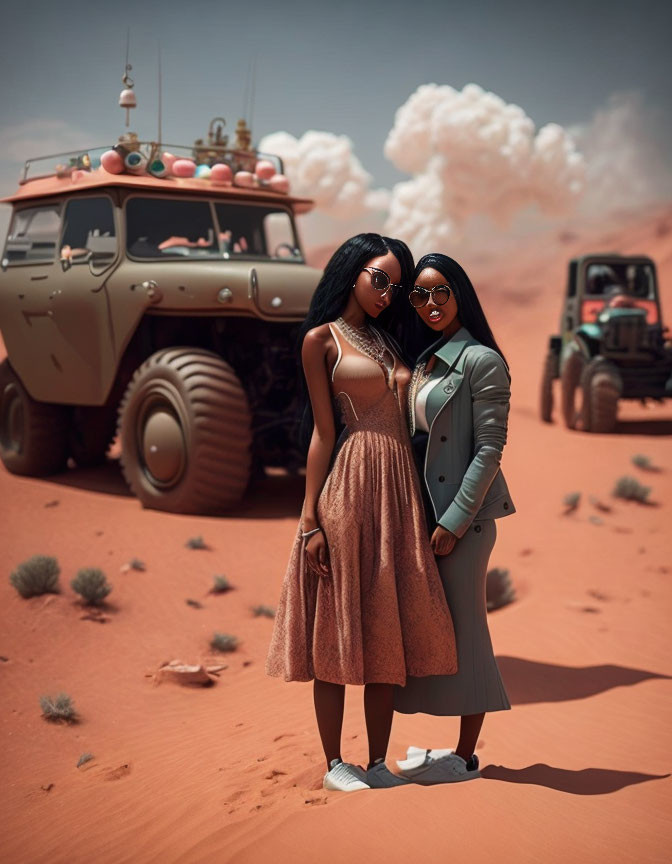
612, 343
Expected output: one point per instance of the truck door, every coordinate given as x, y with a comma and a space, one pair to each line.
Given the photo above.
80, 343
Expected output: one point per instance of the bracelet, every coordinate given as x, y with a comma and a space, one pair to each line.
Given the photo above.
306, 534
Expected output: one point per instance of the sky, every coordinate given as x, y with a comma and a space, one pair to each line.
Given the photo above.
344, 67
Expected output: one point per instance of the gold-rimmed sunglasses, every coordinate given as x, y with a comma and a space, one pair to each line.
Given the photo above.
380, 280
419, 296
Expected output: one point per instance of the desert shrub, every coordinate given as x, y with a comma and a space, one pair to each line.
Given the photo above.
91, 583
136, 564
499, 589
221, 584
643, 462
196, 543
631, 489
84, 758
224, 642
36, 575
195, 603
264, 611
571, 501
57, 707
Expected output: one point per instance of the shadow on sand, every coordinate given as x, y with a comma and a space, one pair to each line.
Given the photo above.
588, 781
528, 681
274, 495
644, 427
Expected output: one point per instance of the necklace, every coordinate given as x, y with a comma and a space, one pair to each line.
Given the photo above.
369, 341
419, 378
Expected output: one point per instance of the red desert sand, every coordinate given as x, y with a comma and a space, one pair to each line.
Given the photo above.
578, 770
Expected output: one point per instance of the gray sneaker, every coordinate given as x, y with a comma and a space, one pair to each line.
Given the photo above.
449, 769
380, 777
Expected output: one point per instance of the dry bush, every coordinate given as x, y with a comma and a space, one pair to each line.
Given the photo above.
499, 590
224, 642
196, 543
221, 585
631, 489
92, 585
58, 707
36, 575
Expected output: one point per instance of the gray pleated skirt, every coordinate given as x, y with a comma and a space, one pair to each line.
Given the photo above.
477, 687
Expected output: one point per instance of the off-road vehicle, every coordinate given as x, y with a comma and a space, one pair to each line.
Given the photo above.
164, 309
612, 343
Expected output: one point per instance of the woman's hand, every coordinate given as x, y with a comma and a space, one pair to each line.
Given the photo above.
443, 541
317, 553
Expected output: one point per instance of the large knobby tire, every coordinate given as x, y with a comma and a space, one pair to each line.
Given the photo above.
602, 388
570, 385
185, 433
547, 378
33, 435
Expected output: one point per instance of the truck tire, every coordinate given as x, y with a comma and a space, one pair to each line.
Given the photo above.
92, 431
33, 435
547, 378
570, 381
602, 388
184, 423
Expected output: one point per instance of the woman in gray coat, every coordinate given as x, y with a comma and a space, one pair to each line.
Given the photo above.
458, 410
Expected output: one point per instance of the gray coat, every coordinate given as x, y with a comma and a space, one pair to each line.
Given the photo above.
467, 418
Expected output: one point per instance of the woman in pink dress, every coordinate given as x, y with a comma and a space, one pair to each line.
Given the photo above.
361, 601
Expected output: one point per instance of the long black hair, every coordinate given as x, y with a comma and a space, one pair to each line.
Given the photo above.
333, 292
469, 309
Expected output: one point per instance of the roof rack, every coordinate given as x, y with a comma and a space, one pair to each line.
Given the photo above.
89, 158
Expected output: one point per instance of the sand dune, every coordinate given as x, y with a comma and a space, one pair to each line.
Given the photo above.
579, 769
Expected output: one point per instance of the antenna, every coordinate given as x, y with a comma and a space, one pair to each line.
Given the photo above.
160, 135
246, 91
127, 98
250, 122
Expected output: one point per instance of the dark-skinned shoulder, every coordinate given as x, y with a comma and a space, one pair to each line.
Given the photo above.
316, 342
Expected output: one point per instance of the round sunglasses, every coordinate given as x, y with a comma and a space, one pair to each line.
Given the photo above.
380, 280
419, 296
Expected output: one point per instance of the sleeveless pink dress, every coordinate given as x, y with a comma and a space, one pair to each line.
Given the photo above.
381, 614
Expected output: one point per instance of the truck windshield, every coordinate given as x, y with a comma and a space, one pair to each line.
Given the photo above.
172, 228
166, 228
603, 280
615, 285
256, 231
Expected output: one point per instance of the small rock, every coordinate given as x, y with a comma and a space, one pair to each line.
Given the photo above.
95, 616
183, 674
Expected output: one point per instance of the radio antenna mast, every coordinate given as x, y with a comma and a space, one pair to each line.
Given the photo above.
246, 91
160, 134
252, 91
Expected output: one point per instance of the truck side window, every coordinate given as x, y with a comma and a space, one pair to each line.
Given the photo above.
33, 234
88, 230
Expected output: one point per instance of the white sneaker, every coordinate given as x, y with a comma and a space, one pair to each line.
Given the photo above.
448, 769
380, 777
419, 756
344, 777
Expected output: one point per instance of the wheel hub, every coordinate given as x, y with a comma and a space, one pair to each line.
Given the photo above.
162, 444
